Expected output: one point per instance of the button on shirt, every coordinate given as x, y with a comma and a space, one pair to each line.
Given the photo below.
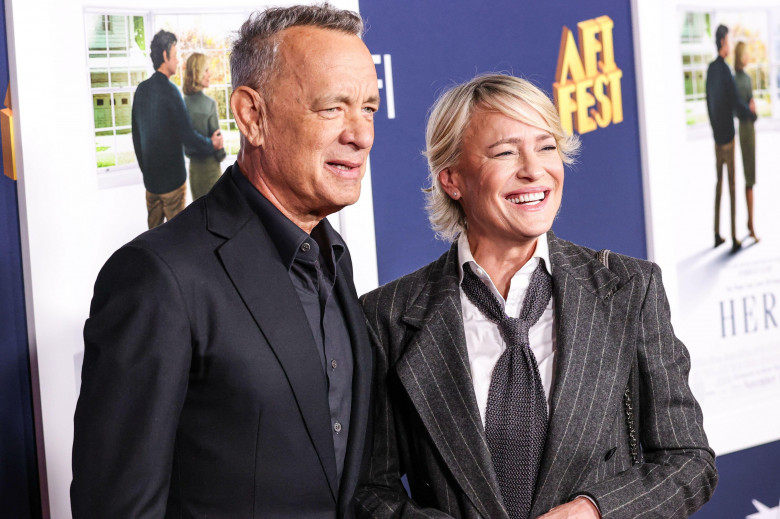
483, 338
312, 263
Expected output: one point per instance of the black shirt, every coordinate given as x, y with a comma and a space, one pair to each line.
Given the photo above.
312, 263
161, 126
723, 102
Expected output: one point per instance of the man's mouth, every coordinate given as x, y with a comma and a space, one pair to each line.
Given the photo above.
527, 198
344, 167
340, 166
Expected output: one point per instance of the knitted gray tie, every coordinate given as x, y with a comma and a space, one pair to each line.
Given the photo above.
516, 415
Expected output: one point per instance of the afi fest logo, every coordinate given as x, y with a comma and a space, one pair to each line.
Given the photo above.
386, 82
587, 81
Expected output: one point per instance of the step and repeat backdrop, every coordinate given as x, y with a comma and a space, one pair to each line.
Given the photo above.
628, 78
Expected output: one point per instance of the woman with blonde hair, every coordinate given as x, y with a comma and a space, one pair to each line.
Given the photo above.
204, 169
521, 375
747, 133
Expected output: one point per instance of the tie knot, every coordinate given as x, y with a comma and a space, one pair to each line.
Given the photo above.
515, 331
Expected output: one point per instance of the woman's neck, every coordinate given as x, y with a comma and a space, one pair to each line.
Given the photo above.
501, 261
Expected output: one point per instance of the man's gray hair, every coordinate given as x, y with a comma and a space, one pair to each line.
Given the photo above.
252, 59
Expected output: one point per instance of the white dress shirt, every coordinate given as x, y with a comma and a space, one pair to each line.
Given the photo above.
483, 338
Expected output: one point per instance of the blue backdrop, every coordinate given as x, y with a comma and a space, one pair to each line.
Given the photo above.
435, 45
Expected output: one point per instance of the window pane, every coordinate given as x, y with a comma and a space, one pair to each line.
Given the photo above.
124, 147
98, 78
699, 86
216, 64
688, 83
119, 78
101, 104
122, 108
117, 32
104, 148
136, 76
96, 31
139, 32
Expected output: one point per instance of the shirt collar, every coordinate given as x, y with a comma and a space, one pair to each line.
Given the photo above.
542, 251
288, 238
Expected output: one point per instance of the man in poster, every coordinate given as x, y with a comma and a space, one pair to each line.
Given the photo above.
722, 103
161, 126
227, 367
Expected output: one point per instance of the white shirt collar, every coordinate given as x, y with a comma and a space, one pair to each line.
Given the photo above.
542, 251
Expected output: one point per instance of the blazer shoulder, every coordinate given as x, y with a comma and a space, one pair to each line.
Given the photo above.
566, 253
394, 297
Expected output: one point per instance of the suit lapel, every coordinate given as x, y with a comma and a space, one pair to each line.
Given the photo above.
253, 264
434, 370
361, 380
590, 315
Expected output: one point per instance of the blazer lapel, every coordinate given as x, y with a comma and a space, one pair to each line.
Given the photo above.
253, 264
362, 372
434, 370
591, 364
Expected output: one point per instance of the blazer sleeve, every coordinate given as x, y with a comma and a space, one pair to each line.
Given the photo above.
381, 493
134, 380
677, 475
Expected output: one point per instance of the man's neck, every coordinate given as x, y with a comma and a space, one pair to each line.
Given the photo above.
249, 164
164, 72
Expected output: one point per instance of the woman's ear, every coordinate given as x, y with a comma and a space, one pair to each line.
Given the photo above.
450, 183
248, 108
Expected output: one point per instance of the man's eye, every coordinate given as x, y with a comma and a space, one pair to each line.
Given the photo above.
504, 154
369, 109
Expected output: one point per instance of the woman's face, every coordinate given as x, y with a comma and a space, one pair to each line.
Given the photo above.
204, 81
509, 178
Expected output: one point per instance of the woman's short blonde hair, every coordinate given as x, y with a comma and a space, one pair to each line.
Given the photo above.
193, 73
450, 116
739, 51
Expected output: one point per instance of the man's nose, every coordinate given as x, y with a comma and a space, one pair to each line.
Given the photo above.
358, 130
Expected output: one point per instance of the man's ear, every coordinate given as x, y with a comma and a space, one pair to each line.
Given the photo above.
450, 182
248, 108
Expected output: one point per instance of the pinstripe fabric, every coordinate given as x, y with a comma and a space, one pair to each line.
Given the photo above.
427, 425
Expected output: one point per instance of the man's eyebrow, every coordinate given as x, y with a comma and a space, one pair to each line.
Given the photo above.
518, 140
324, 100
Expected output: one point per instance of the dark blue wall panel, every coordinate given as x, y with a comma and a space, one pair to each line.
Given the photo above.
19, 494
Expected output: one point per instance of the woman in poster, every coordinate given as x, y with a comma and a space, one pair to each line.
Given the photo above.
521, 375
204, 169
747, 133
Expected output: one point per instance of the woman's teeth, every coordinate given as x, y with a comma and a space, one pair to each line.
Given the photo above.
527, 198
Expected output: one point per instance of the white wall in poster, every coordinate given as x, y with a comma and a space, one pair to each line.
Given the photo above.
69, 224
726, 306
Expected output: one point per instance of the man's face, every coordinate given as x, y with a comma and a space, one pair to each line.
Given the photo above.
319, 124
171, 61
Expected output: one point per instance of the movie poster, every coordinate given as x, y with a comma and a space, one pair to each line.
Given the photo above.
728, 282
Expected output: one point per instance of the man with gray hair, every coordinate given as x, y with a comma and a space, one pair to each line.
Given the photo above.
227, 367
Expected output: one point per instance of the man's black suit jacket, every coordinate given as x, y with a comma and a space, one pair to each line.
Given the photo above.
202, 390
